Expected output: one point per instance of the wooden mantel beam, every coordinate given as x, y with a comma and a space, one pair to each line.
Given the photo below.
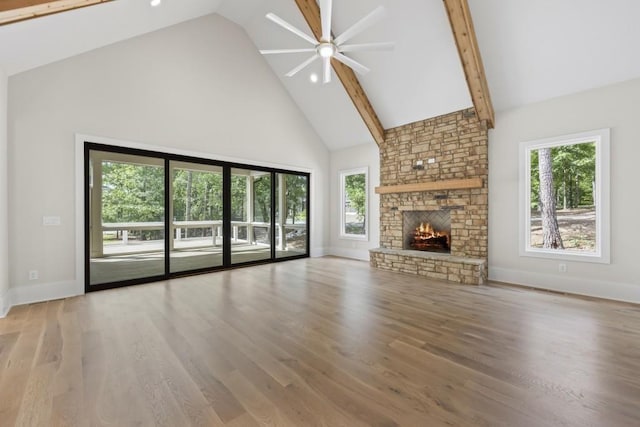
19, 10
465, 37
311, 13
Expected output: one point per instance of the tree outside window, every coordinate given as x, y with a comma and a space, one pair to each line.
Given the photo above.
565, 197
354, 202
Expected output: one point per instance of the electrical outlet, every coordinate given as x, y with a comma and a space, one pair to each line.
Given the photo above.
33, 275
562, 268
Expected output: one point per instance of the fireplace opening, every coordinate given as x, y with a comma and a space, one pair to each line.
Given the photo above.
427, 231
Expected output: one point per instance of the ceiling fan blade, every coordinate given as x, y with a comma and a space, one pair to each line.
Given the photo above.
273, 51
284, 24
326, 69
361, 25
301, 66
366, 46
325, 18
356, 66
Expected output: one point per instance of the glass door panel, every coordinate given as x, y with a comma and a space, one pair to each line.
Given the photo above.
250, 215
291, 215
196, 205
126, 217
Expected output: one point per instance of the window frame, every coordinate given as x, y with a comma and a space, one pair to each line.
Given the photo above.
601, 138
343, 194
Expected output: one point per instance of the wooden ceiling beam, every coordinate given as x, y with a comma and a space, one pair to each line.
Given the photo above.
19, 10
311, 12
467, 43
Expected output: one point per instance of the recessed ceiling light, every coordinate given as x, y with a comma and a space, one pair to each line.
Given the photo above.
155, 3
313, 77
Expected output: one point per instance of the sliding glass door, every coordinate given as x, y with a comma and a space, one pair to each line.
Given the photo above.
152, 216
197, 215
126, 217
250, 215
291, 215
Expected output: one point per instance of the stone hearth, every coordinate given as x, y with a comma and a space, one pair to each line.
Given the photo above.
458, 143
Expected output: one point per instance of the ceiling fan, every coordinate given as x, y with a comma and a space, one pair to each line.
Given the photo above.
328, 46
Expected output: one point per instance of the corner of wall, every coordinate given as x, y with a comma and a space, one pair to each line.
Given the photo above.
5, 304
318, 252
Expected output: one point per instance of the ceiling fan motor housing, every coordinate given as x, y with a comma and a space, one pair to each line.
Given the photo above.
326, 49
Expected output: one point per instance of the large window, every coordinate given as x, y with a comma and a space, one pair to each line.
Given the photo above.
354, 204
564, 197
152, 216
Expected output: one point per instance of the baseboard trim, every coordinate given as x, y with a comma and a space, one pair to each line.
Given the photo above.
29, 294
359, 254
616, 291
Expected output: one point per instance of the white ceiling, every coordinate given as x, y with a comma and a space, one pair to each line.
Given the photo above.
532, 50
536, 50
29, 44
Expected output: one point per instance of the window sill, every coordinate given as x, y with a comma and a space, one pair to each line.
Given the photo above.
354, 237
566, 255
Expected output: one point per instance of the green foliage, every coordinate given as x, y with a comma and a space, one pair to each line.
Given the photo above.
238, 198
200, 192
262, 198
573, 173
135, 193
296, 198
132, 193
355, 188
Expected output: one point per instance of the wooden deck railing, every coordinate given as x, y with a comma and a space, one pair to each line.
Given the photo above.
215, 225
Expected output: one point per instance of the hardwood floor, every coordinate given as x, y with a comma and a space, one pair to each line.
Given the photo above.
320, 342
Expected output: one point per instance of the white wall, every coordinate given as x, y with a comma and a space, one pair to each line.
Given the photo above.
366, 155
4, 227
200, 86
615, 107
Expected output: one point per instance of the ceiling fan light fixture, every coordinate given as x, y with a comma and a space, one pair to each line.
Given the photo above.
326, 47
155, 3
326, 50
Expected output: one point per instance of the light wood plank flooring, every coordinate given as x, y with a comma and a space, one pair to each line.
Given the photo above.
325, 341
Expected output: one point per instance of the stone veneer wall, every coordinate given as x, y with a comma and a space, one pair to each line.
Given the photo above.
459, 144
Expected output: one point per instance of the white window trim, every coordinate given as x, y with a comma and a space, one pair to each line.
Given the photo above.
602, 252
343, 175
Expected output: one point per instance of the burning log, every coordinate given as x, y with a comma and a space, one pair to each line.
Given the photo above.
426, 238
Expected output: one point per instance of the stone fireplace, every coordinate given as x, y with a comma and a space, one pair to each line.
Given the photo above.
427, 231
435, 168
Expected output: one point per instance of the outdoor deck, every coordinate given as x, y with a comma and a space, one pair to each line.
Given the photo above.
137, 259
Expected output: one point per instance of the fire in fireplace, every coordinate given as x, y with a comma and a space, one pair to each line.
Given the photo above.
426, 238
427, 231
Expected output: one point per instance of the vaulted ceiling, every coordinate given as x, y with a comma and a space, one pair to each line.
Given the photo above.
531, 51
